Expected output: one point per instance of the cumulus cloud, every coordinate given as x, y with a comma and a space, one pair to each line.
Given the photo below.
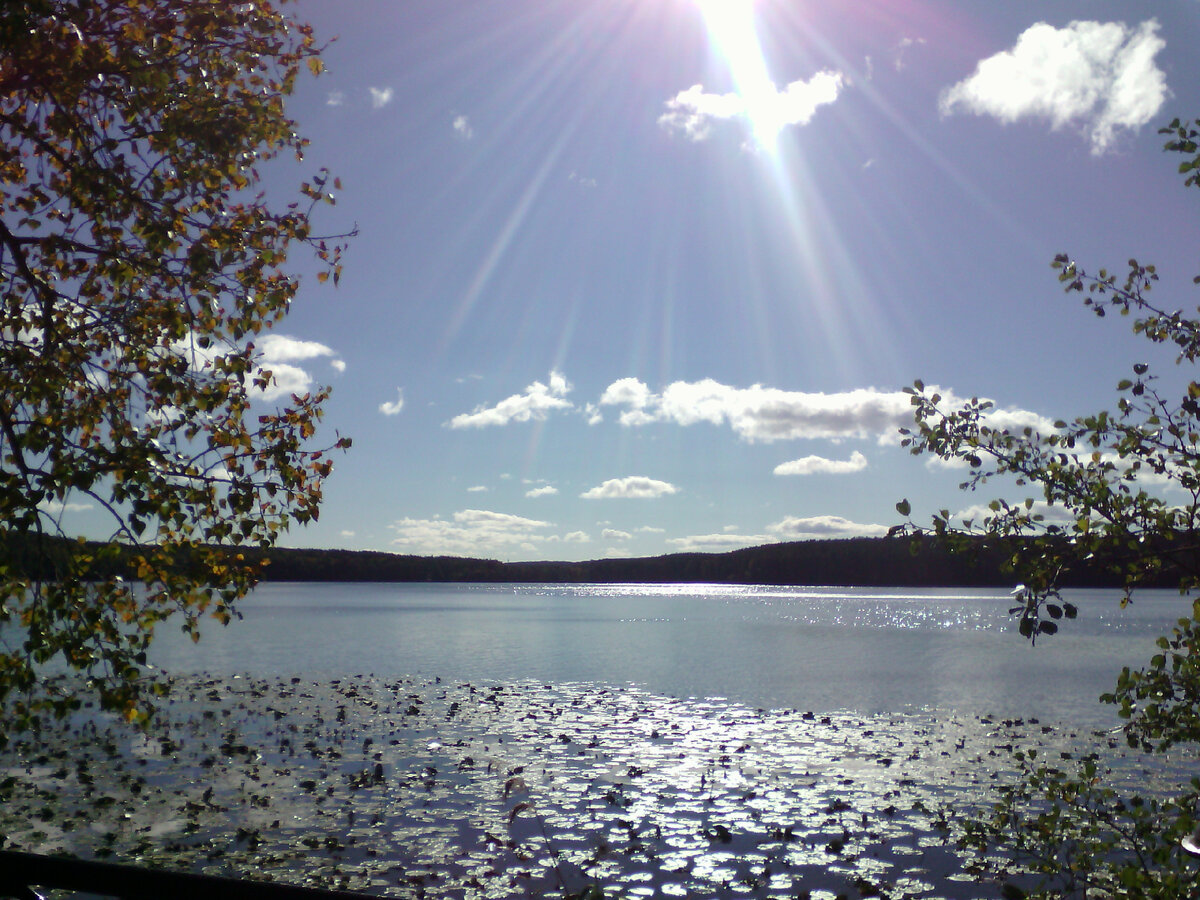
537, 400
613, 534
470, 532
380, 97
338, 365
1098, 76
393, 407
793, 528
277, 353
761, 414
477, 489
632, 487
819, 465
576, 537
718, 543
286, 380
462, 127
693, 111
335, 98
548, 490
274, 353
282, 348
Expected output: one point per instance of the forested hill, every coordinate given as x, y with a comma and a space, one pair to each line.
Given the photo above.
899, 562
852, 561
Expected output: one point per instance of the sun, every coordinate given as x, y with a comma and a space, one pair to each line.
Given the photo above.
730, 25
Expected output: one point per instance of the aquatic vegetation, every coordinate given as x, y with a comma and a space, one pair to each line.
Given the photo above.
413, 787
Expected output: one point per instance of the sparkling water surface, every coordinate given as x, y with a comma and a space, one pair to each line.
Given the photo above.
866, 650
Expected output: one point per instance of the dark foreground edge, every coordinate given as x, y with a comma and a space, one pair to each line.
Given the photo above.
22, 873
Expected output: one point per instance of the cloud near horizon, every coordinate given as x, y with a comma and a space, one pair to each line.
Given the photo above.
693, 111
1098, 76
471, 532
793, 528
718, 543
635, 487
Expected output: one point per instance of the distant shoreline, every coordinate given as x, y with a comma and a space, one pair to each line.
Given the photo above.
849, 562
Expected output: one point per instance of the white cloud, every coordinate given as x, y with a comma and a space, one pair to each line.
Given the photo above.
693, 111
651, 529
577, 537
282, 348
582, 180
277, 352
471, 532
286, 380
462, 127
535, 403
545, 491
635, 486
380, 97
902, 50
792, 528
338, 365
1098, 76
814, 465
346, 533
393, 407
612, 534
477, 489
58, 507
718, 543
761, 414
335, 98
1051, 515
274, 353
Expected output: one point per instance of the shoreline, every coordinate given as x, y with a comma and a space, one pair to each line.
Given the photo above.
414, 787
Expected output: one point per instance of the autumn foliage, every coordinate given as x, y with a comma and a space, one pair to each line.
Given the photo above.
139, 259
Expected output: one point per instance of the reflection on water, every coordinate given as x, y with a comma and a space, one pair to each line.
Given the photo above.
866, 650
525, 789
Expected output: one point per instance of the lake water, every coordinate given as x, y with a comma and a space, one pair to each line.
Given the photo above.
525, 740
865, 650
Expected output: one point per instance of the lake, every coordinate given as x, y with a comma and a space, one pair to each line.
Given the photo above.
864, 650
455, 740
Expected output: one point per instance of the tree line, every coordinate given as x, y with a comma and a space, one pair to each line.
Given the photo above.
865, 562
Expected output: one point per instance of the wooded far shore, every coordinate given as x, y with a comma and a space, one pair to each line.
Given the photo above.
879, 562
866, 562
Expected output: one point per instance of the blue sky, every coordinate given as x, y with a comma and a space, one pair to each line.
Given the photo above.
641, 276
